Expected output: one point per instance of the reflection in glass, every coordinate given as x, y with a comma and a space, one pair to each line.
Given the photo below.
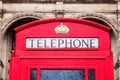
33, 74
91, 74
62, 74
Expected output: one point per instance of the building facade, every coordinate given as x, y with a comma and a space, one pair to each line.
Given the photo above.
14, 13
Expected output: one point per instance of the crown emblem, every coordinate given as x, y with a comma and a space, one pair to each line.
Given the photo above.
61, 29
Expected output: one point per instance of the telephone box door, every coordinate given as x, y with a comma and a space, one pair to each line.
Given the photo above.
62, 49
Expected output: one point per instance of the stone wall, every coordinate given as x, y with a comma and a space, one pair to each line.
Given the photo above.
12, 12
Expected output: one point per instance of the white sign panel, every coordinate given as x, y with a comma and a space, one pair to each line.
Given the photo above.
62, 43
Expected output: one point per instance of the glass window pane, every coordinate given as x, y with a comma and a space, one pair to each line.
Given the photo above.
62, 74
33, 74
91, 74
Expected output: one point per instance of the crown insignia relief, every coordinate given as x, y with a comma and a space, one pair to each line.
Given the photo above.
61, 29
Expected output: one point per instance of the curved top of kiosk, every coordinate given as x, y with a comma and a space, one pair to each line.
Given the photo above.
82, 34
71, 20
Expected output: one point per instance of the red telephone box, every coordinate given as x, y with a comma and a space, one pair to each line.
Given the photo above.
62, 49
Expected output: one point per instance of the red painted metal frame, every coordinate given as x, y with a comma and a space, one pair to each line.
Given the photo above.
75, 64
25, 59
71, 20
78, 28
21, 67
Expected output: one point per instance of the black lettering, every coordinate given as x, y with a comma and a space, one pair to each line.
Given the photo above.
77, 43
91, 43
39, 43
68, 43
52, 43
85, 43
32, 42
60, 42
45, 44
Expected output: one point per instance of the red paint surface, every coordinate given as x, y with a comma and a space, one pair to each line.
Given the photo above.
99, 59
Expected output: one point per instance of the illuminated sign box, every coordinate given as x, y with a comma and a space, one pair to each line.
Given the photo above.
62, 42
